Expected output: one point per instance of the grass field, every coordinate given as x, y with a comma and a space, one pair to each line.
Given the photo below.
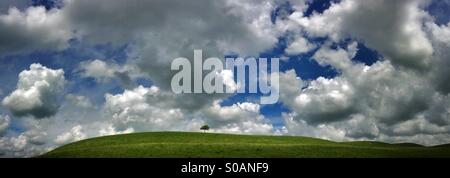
206, 145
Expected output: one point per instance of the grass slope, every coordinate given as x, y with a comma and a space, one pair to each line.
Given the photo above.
186, 144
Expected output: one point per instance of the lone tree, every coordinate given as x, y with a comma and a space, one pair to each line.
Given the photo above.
204, 128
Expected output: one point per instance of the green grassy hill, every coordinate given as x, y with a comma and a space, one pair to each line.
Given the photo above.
186, 144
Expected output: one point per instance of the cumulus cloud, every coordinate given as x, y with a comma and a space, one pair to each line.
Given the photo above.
440, 74
97, 69
359, 126
440, 33
4, 123
74, 134
299, 46
33, 29
26, 144
237, 118
142, 109
295, 127
104, 71
339, 59
110, 130
324, 100
79, 101
38, 91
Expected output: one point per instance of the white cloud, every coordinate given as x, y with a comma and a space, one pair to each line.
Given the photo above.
339, 59
4, 123
104, 71
439, 110
237, 118
324, 100
110, 130
98, 69
227, 78
360, 126
75, 134
38, 91
323, 131
19, 142
79, 101
440, 75
440, 33
299, 46
143, 109
26, 144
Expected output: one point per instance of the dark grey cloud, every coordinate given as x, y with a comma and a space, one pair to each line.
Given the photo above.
33, 29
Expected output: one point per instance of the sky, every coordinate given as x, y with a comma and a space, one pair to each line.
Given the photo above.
349, 69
